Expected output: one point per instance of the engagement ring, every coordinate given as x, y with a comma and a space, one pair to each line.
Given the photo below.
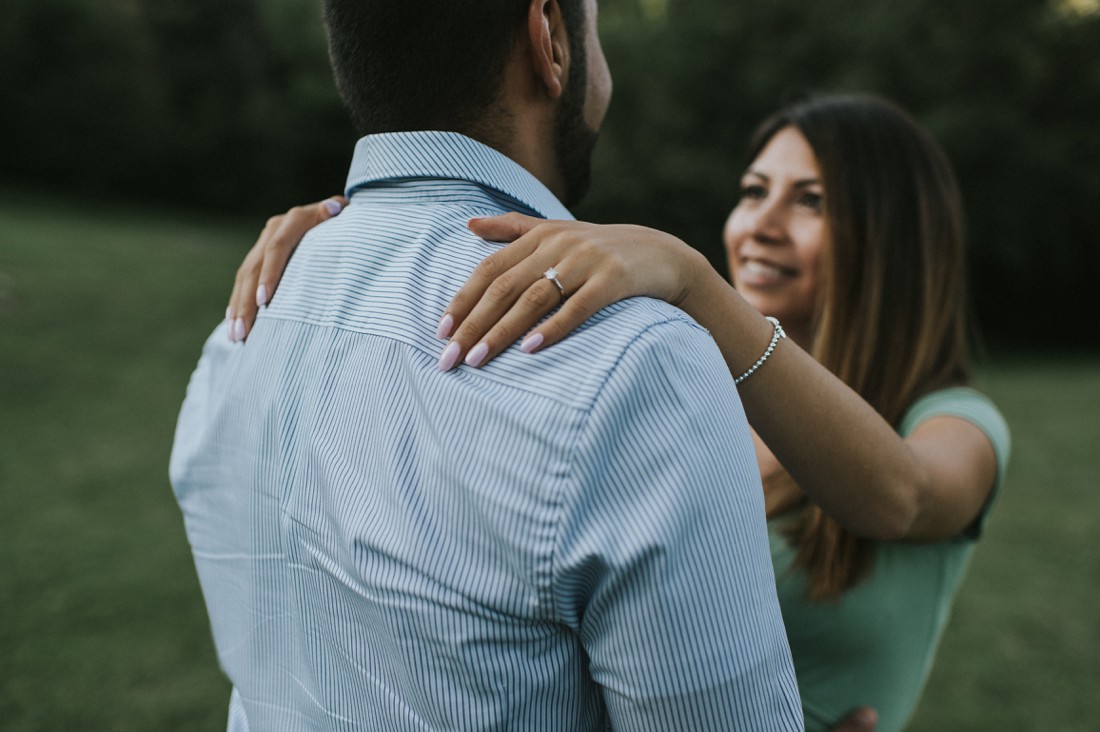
552, 275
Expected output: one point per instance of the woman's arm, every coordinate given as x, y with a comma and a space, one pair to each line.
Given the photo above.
841, 452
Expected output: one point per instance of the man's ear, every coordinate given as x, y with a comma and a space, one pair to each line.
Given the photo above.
549, 44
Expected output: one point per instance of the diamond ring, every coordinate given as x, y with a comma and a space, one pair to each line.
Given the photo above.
552, 275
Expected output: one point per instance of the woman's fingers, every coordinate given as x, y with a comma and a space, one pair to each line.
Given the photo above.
506, 227
259, 275
505, 301
863, 719
286, 238
517, 300
593, 266
241, 312
577, 308
510, 292
496, 272
532, 307
496, 323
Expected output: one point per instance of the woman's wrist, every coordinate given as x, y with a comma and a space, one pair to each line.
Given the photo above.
700, 283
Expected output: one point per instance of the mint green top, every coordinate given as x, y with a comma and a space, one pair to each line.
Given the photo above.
874, 646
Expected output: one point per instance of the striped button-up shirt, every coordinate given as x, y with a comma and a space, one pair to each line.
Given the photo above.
570, 540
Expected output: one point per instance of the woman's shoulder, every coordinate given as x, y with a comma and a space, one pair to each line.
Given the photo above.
966, 403
969, 404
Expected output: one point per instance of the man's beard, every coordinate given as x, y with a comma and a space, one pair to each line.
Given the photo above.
574, 142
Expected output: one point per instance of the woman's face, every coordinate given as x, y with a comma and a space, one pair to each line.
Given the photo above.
775, 236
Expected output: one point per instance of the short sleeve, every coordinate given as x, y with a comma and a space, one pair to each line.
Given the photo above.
976, 408
663, 565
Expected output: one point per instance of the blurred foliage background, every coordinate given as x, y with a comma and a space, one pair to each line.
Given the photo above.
228, 105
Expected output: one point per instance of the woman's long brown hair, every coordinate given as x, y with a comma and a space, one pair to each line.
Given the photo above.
891, 319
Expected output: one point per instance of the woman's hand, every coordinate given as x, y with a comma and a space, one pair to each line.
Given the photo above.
863, 719
595, 265
259, 274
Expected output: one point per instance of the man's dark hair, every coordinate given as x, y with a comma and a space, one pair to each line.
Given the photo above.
404, 65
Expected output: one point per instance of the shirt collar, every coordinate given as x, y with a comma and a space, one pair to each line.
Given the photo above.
403, 155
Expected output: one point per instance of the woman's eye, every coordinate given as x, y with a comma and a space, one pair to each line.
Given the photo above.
810, 200
753, 191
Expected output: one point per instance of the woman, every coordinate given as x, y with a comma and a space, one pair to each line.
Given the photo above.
878, 463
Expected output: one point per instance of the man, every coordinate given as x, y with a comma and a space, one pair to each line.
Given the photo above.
567, 541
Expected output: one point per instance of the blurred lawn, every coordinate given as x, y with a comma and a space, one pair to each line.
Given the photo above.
102, 627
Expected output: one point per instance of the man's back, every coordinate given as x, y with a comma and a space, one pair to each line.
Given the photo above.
547, 543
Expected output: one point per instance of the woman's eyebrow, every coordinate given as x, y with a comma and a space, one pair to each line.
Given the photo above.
802, 183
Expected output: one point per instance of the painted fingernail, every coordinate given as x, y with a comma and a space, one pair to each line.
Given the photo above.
446, 325
261, 296
531, 343
238, 330
449, 357
333, 206
476, 357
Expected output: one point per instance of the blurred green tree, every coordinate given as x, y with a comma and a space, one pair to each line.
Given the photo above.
77, 86
1011, 88
230, 105
226, 104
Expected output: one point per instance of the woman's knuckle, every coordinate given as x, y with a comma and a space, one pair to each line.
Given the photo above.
499, 289
460, 303
536, 298
467, 333
616, 268
275, 245
490, 268
580, 304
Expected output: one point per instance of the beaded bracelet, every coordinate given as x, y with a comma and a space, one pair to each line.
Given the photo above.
771, 347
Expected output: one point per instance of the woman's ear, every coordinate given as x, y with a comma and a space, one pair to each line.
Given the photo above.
549, 44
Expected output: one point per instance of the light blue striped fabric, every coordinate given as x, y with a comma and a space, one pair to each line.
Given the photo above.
567, 541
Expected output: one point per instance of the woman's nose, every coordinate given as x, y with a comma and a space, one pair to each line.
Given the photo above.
766, 224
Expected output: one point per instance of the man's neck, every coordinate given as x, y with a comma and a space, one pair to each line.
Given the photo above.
522, 123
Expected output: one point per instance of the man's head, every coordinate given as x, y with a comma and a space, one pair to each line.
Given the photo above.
484, 68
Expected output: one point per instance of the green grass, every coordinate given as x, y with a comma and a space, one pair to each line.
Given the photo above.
102, 626
1021, 650
102, 314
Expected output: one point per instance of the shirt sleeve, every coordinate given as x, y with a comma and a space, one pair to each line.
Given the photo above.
977, 409
662, 563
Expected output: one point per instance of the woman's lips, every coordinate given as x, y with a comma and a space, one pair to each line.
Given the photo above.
762, 273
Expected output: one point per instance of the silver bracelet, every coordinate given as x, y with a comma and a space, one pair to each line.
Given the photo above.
771, 347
